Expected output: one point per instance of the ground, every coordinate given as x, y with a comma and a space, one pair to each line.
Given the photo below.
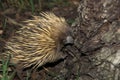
95, 24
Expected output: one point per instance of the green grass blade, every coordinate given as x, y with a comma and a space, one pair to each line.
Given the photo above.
32, 6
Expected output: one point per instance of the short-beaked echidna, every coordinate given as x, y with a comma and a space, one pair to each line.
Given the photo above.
39, 41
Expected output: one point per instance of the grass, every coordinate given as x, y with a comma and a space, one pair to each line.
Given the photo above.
32, 6
5, 72
1, 5
4, 23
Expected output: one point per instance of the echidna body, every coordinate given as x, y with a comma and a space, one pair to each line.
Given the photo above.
39, 41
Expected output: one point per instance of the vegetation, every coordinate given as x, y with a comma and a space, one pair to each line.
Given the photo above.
5, 71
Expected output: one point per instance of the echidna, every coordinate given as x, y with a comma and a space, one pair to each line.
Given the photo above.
39, 41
